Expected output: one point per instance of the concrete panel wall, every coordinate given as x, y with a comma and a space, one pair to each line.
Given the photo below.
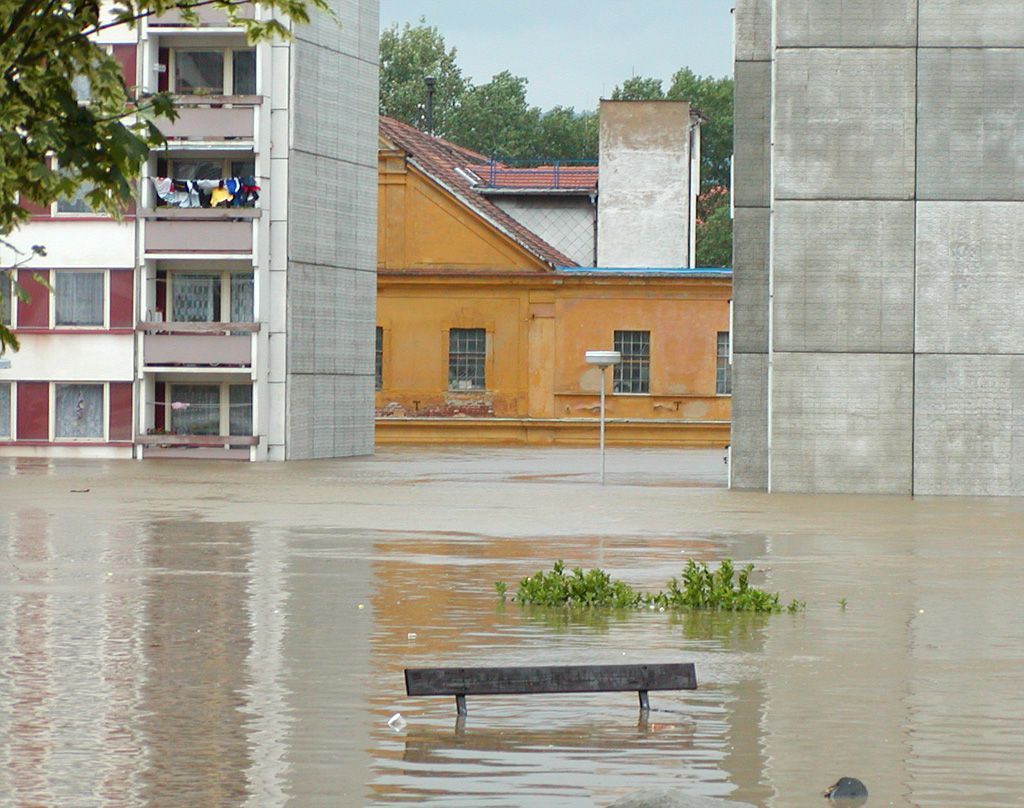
844, 123
749, 440
331, 243
970, 277
971, 129
750, 280
991, 23
896, 208
969, 427
844, 276
842, 423
847, 23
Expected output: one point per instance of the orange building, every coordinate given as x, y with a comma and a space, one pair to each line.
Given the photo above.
483, 321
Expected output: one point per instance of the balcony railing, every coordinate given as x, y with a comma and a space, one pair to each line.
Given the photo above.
199, 230
212, 118
224, 345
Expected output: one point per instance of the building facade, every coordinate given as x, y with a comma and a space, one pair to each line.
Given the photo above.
879, 196
484, 313
230, 313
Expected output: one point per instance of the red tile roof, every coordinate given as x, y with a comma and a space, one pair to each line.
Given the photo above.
450, 165
542, 178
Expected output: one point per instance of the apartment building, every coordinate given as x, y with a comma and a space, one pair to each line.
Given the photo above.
230, 313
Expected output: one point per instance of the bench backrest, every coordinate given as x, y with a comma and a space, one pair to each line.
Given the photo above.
549, 679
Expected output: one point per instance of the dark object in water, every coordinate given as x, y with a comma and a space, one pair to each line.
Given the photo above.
847, 789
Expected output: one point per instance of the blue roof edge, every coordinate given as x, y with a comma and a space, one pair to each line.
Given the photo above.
679, 271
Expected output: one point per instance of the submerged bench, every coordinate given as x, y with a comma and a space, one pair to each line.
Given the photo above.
462, 682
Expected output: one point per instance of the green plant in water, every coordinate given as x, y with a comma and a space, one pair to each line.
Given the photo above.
842, 604
501, 588
699, 588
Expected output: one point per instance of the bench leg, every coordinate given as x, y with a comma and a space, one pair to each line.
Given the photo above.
460, 704
644, 704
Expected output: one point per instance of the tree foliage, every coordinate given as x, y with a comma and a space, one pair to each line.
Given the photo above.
51, 142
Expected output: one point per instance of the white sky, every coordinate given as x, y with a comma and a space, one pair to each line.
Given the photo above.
575, 51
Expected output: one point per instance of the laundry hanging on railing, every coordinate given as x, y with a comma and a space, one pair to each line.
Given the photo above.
233, 192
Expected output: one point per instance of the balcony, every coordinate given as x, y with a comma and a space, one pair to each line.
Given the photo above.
208, 18
197, 345
199, 231
212, 118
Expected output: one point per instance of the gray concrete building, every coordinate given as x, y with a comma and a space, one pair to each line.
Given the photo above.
879, 276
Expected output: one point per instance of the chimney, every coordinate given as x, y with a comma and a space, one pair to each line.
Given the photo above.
649, 177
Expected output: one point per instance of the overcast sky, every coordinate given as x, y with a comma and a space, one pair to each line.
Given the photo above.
575, 51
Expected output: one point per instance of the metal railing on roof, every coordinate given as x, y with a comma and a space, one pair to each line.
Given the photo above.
539, 174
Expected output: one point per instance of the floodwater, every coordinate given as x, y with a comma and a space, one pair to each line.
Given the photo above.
202, 634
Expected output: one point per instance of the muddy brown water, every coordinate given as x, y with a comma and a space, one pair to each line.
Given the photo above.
194, 633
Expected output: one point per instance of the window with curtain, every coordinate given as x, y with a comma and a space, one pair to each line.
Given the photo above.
195, 409
5, 409
78, 298
242, 298
240, 420
633, 373
78, 411
195, 298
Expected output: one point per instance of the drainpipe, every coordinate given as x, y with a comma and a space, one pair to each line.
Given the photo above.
593, 204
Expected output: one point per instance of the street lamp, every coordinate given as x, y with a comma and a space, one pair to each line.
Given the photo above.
602, 359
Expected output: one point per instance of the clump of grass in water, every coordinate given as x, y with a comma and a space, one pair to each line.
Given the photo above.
700, 588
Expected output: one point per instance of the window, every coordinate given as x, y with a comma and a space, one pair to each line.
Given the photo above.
378, 364
215, 71
199, 297
78, 411
240, 416
211, 409
723, 370
195, 409
5, 410
79, 298
76, 203
209, 169
6, 301
633, 373
467, 349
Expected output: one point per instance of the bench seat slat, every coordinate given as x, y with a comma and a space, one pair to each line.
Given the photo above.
549, 679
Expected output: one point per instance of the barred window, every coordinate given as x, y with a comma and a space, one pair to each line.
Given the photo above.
378, 361
723, 370
633, 373
467, 349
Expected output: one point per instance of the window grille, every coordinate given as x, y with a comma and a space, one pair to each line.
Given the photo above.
467, 350
240, 413
723, 370
378, 365
195, 409
633, 373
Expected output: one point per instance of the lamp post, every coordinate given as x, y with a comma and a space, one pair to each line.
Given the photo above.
602, 359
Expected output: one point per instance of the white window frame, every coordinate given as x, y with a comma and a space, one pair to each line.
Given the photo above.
228, 70
728, 364
73, 214
225, 291
106, 302
105, 438
224, 404
13, 411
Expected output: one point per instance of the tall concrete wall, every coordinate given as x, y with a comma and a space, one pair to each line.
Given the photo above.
879, 280
332, 233
647, 180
